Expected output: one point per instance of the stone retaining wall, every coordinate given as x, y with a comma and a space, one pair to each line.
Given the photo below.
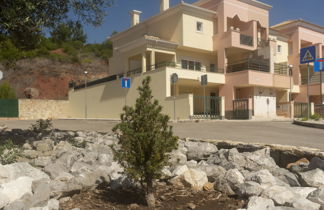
42, 109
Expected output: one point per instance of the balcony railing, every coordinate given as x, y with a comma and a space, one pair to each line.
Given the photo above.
172, 65
281, 69
313, 79
246, 40
249, 64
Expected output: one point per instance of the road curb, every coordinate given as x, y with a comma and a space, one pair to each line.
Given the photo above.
308, 124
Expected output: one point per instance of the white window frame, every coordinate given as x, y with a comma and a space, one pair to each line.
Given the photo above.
201, 27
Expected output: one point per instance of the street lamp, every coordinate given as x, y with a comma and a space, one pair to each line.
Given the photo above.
85, 95
290, 67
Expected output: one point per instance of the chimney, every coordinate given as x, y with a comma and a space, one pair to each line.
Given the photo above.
135, 17
164, 5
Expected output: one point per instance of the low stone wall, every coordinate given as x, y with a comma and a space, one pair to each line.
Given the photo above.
43, 109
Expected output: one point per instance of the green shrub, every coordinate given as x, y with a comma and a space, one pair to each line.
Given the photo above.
42, 126
9, 52
9, 152
316, 117
6, 92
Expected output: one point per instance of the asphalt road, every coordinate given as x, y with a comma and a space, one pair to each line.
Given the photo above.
273, 132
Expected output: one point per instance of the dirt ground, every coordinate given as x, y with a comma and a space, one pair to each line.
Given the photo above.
168, 197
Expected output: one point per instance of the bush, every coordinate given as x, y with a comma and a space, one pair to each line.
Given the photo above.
6, 92
9, 152
145, 139
42, 126
316, 117
9, 52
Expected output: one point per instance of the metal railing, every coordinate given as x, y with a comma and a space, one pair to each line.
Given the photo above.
281, 69
313, 79
206, 107
300, 109
319, 109
246, 40
263, 43
241, 109
134, 71
249, 64
173, 65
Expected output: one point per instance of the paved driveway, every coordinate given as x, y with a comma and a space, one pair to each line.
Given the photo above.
246, 131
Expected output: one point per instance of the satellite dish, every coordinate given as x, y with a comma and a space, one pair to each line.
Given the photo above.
1, 75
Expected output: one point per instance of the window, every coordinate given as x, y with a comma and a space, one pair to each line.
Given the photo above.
279, 48
199, 27
191, 65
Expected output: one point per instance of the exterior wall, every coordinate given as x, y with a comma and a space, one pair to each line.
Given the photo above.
195, 39
43, 109
106, 100
280, 57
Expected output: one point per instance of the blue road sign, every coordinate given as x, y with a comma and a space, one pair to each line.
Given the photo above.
126, 82
319, 65
307, 54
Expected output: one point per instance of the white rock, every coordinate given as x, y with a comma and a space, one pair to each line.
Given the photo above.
279, 194
313, 178
20, 169
259, 203
15, 189
234, 177
303, 203
303, 191
195, 178
192, 164
262, 177
177, 158
4, 200
179, 170
199, 150
317, 196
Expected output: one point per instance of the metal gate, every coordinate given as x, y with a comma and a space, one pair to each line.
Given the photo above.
319, 109
206, 107
9, 108
300, 110
241, 109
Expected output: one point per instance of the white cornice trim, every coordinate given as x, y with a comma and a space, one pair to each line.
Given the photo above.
300, 23
257, 4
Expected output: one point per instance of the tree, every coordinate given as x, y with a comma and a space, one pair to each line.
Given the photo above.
145, 139
67, 32
24, 20
6, 92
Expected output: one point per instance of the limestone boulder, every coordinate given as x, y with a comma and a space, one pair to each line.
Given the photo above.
196, 179
199, 150
313, 178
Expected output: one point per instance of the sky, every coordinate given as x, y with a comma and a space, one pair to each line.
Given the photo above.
118, 18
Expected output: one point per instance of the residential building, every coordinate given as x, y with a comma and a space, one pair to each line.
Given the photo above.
246, 62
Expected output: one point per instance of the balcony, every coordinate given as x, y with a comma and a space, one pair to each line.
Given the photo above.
249, 64
314, 79
234, 38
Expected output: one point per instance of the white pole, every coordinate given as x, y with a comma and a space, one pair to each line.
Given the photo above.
174, 107
85, 96
308, 105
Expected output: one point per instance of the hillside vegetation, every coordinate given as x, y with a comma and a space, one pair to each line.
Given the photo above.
49, 66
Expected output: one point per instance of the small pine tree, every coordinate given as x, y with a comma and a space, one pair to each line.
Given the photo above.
145, 139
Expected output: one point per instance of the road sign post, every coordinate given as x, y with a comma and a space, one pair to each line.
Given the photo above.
308, 55
126, 84
204, 82
174, 80
319, 67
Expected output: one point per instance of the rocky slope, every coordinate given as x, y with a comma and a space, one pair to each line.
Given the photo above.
48, 78
56, 165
